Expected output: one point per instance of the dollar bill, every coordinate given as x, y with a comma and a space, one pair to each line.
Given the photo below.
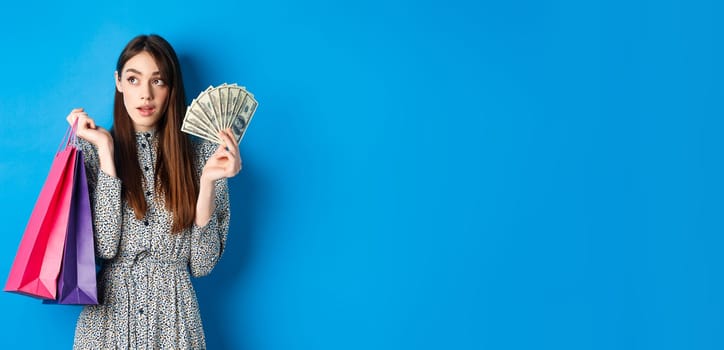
198, 129
187, 128
196, 113
243, 117
215, 100
205, 107
237, 107
223, 104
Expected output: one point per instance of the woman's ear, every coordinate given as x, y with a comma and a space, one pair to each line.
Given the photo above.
118, 82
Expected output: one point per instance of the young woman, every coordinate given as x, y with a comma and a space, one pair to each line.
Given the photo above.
160, 207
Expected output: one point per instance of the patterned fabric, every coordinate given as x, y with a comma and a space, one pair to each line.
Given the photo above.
147, 299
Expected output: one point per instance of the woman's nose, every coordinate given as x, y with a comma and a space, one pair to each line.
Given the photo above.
147, 93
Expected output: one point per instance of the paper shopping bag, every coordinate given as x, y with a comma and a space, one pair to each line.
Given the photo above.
37, 263
77, 279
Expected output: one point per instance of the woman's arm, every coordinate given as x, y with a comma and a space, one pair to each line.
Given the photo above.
104, 187
211, 224
224, 163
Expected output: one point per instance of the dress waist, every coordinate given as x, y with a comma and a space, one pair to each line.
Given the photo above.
147, 258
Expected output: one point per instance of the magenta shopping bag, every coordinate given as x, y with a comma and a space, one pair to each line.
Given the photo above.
77, 280
37, 263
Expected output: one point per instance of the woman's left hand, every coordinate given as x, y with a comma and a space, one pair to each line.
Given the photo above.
225, 162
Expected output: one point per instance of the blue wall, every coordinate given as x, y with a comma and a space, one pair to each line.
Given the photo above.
419, 175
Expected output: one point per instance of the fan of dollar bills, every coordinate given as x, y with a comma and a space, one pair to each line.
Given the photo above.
219, 108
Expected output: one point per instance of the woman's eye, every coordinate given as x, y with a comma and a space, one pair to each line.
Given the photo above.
132, 80
159, 82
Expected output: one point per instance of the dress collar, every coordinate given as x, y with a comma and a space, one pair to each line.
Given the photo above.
149, 134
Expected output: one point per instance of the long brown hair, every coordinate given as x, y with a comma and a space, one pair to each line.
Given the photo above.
176, 178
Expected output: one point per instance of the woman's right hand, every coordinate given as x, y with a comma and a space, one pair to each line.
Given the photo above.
88, 130
101, 138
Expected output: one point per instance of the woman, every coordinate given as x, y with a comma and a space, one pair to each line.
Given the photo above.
160, 205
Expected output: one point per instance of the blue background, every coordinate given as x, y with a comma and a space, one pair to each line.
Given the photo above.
419, 175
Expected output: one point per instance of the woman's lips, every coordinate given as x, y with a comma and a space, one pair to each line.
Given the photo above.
146, 111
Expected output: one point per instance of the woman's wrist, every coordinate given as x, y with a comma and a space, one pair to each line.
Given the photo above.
105, 156
205, 203
206, 182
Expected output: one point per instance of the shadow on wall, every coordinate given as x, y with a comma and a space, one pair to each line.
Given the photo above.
215, 292
192, 72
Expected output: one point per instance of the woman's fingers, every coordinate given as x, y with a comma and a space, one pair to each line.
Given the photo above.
232, 138
225, 162
229, 164
86, 127
221, 166
226, 133
229, 141
77, 113
87, 121
72, 115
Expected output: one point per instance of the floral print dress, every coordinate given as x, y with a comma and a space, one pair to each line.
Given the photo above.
147, 299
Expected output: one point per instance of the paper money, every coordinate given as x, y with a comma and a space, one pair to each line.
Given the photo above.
218, 108
243, 116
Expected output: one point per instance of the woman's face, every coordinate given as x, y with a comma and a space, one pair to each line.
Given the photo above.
144, 91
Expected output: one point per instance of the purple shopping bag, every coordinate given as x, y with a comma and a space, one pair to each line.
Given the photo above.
77, 279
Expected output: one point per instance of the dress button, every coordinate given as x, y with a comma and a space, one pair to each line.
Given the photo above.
143, 145
148, 135
148, 193
145, 222
145, 168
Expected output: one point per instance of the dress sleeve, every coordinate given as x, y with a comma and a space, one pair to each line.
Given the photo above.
105, 198
208, 242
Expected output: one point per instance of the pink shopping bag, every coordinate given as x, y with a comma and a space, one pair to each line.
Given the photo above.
37, 263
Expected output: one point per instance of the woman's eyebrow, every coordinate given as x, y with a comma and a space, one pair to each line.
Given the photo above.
139, 73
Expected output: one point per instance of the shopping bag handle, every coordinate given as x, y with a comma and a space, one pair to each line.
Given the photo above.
70, 137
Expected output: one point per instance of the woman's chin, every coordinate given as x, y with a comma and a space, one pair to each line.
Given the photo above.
141, 123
